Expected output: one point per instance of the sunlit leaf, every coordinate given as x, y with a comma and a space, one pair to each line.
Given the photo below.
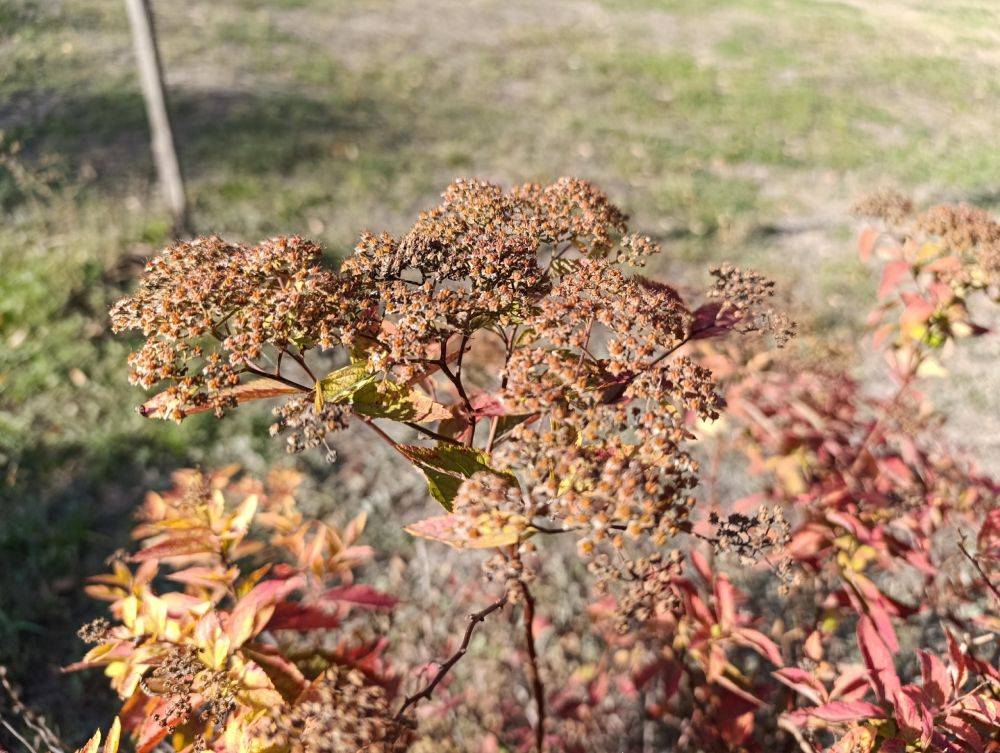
486, 531
163, 405
368, 395
446, 466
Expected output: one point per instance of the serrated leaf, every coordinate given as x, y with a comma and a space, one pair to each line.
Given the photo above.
446, 466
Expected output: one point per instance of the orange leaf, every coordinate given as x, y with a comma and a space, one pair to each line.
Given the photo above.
254, 610
866, 243
162, 405
485, 531
176, 546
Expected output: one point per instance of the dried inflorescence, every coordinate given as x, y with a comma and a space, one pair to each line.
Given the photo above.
887, 204
644, 587
475, 261
605, 454
341, 712
95, 631
212, 311
763, 535
745, 296
305, 426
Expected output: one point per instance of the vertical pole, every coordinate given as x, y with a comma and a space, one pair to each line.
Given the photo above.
151, 80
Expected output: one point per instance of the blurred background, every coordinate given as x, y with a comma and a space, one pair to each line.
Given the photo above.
737, 130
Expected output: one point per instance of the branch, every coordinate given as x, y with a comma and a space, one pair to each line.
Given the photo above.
428, 690
431, 433
975, 563
276, 377
533, 675
456, 380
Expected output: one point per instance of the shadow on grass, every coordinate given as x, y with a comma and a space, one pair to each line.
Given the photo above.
255, 133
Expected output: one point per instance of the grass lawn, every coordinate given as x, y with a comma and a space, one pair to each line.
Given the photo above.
736, 129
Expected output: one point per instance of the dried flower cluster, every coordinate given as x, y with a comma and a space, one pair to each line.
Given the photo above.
341, 711
212, 311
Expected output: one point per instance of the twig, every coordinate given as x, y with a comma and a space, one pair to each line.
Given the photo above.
428, 690
975, 563
276, 377
35, 722
431, 433
533, 675
456, 380
18, 736
385, 437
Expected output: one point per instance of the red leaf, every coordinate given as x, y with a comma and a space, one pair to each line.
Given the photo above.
761, 644
892, 275
301, 617
841, 711
736, 690
708, 322
725, 603
158, 724
485, 404
911, 716
937, 681
802, 682
361, 595
250, 614
701, 565
878, 658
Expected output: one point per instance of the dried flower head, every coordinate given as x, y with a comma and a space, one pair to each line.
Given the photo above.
886, 204
745, 296
340, 713
212, 311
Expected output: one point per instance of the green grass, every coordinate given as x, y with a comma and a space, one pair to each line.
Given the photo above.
737, 129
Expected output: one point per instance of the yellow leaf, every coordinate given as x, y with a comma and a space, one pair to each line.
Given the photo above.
114, 737
92, 744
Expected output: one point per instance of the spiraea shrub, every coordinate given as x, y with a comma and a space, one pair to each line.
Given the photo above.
507, 348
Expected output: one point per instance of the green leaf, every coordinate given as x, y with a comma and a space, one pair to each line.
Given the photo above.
367, 395
446, 466
340, 386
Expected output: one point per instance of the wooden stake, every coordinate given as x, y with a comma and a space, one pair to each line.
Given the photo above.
147, 55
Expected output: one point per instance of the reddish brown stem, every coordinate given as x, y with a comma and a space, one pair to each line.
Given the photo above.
428, 690
430, 433
975, 563
534, 677
276, 377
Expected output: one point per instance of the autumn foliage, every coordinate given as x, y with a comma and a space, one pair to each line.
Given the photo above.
506, 348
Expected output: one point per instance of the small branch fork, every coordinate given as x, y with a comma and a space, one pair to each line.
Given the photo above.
428, 690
